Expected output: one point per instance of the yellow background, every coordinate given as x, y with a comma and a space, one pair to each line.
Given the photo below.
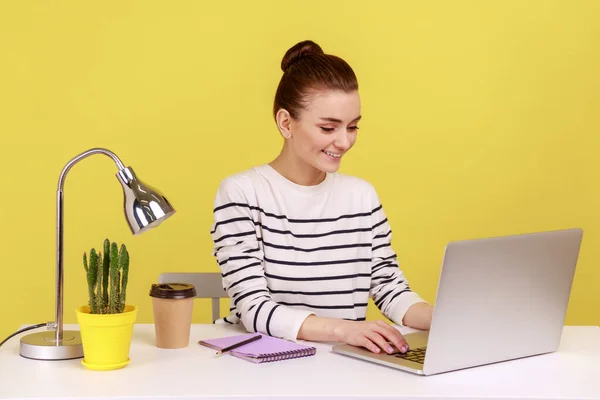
481, 118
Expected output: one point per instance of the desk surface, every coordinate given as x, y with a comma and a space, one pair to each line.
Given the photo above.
194, 373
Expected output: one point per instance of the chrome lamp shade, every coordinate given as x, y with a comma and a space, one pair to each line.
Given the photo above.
145, 208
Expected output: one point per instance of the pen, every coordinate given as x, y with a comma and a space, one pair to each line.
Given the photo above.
236, 345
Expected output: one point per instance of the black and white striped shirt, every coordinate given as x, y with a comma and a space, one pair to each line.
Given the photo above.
287, 251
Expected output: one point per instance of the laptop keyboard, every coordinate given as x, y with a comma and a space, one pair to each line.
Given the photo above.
415, 355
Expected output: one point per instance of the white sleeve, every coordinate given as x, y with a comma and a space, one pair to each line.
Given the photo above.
389, 287
240, 258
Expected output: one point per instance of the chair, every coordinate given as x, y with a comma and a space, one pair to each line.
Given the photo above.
208, 286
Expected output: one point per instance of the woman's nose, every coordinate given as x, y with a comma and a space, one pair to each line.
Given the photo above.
342, 141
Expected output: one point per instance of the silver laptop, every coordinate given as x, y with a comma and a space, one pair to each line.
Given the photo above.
498, 299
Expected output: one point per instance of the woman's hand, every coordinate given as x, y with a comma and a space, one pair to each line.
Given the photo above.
373, 335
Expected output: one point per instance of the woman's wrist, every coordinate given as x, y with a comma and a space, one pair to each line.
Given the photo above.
418, 316
322, 329
336, 329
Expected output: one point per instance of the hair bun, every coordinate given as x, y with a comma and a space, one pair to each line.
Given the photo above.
298, 52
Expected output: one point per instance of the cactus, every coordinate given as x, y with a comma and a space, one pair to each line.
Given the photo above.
99, 293
118, 296
92, 276
89, 281
107, 275
124, 267
114, 276
105, 269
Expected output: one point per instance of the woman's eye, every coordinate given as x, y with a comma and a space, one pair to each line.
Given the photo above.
326, 129
353, 128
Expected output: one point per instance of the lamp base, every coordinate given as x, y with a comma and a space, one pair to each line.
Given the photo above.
43, 346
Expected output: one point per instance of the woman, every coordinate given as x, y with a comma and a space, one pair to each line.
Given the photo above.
302, 247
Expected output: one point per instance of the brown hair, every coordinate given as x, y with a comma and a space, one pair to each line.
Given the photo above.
306, 67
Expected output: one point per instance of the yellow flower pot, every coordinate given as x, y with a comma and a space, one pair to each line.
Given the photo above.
106, 338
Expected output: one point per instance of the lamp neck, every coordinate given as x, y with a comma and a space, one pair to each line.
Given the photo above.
85, 154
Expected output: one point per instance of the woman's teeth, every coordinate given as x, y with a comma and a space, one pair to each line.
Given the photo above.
334, 155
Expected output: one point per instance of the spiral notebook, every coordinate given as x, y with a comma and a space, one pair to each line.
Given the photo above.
266, 349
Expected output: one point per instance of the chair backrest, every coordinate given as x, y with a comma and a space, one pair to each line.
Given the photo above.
208, 286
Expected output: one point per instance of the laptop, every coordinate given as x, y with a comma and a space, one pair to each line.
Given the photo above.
498, 299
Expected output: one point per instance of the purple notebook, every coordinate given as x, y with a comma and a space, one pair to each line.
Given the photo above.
266, 349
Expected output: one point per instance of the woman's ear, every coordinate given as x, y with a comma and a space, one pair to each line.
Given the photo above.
284, 121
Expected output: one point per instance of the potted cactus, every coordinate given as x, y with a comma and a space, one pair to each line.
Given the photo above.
106, 322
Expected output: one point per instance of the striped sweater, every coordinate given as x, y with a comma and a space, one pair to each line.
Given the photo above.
287, 251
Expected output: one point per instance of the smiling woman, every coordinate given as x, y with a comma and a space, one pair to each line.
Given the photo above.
317, 108
302, 247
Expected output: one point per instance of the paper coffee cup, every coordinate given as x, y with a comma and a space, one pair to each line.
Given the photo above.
172, 305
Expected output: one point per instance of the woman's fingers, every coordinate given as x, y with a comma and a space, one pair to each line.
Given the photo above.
379, 342
369, 345
392, 335
375, 336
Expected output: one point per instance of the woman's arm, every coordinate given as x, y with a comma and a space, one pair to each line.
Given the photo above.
389, 287
373, 335
241, 260
418, 316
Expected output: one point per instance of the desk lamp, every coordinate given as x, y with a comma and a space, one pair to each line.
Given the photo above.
145, 208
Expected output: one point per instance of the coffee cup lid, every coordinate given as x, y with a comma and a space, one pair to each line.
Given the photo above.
173, 290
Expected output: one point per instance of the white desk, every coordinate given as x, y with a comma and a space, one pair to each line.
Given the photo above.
194, 373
